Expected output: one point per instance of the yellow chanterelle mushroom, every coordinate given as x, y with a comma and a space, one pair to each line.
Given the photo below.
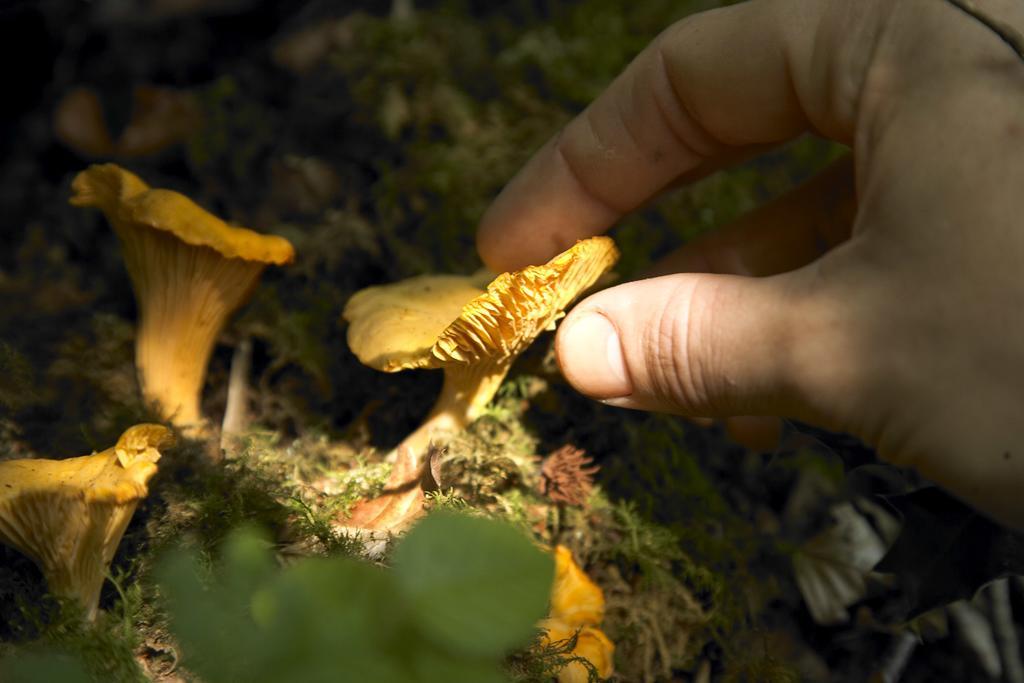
472, 333
69, 515
190, 271
577, 608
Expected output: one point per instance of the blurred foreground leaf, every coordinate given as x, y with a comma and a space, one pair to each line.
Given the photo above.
477, 587
42, 667
464, 591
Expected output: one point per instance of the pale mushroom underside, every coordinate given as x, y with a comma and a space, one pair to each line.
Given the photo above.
190, 271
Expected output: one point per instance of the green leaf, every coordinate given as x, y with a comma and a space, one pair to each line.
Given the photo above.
430, 663
246, 562
477, 586
42, 667
340, 619
332, 616
212, 622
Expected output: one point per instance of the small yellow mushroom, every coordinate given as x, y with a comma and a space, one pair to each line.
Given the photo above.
190, 271
577, 608
575, 598
472, 333
591, 644
69, 515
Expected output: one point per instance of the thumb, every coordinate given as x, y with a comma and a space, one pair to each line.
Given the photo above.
693, 344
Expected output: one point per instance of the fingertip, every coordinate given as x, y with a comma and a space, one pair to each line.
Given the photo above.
692, 344
589, 352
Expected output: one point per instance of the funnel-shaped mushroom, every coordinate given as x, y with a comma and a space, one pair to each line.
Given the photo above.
450, 322
190, 271
69, 515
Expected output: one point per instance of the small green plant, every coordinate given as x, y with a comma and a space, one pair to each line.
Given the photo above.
462, 593
70, 649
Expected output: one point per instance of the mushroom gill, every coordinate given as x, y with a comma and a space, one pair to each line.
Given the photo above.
473, 334
68, 516
190, 271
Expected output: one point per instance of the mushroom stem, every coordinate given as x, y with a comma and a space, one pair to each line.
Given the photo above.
467, 389
236, 412
80, 577
183, 307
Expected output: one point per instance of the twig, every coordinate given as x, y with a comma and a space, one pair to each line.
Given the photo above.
236, 412
1006, 33
1006, 631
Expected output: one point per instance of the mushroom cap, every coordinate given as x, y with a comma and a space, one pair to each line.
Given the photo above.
432, 321
130, 203
116, 475
391, 325
69, 515
575, 598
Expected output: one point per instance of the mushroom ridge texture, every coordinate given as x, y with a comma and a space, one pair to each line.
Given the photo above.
438, 322
69, 515
190, 271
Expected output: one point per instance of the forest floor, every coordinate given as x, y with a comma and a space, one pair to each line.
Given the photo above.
372, 136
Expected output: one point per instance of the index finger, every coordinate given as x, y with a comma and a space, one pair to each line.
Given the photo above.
708, 87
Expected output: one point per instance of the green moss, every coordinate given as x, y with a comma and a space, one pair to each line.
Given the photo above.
204, 501
445, 500
661, 604
318, 523
105, 648
666, 483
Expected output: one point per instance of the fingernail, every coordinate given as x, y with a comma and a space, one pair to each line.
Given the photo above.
590, 353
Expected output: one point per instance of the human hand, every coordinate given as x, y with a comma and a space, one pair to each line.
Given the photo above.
892, 312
